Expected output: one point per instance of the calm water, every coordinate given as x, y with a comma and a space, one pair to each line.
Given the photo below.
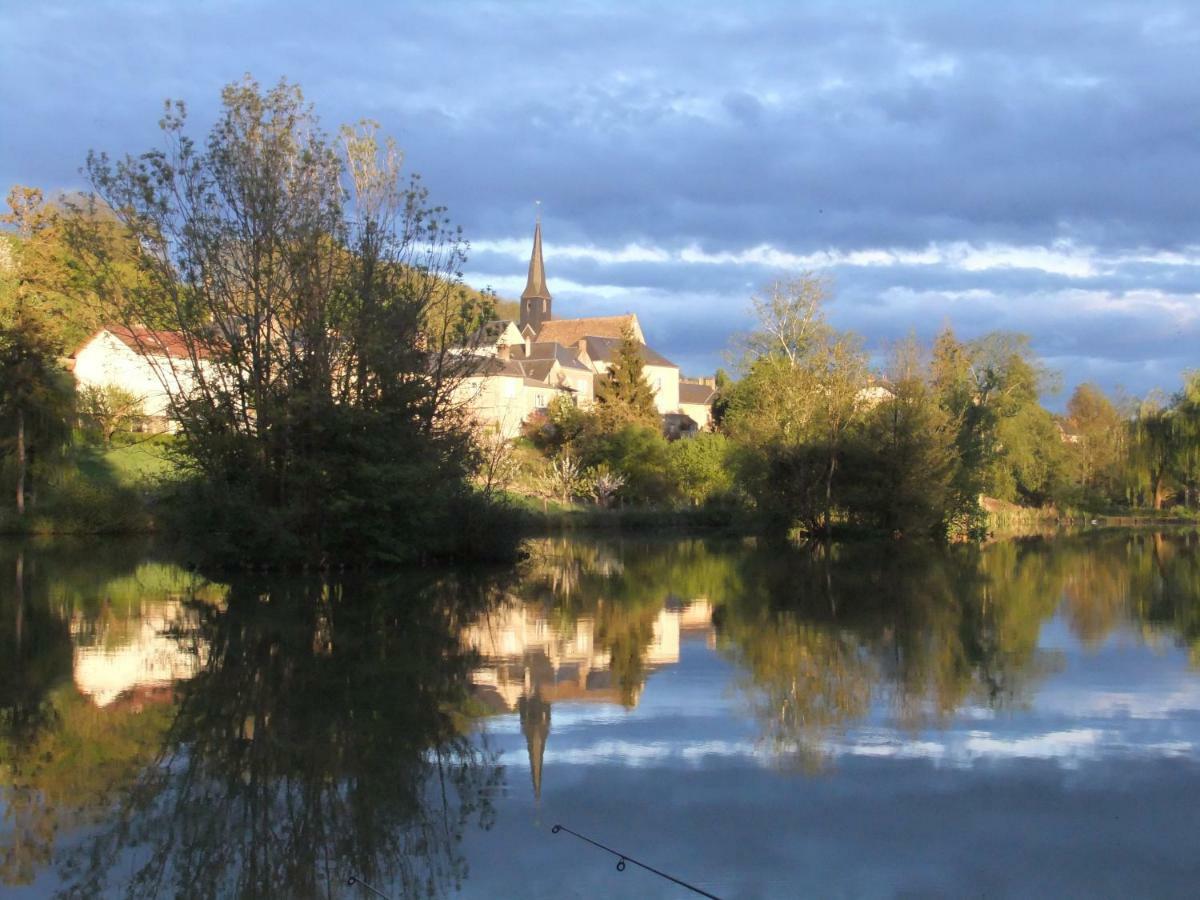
1019, 720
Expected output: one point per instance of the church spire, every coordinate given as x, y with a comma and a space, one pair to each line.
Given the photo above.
535, 299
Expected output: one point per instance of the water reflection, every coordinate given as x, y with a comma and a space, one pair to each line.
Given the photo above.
163, 734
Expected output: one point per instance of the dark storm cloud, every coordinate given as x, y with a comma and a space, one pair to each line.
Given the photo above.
805, 130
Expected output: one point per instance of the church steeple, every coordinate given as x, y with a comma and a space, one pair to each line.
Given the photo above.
535, 299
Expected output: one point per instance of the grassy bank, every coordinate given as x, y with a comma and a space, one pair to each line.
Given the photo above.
94, 490
1009, 519
544, 516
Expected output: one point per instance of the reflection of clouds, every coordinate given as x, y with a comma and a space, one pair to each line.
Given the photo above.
1183, 699
963, 749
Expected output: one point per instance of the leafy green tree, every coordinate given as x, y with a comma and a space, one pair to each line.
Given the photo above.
49, 275
700, 466
623, 395
107, 409
1009, 444
796, 406
1187, 439
564, 423
640, 455
1153, 450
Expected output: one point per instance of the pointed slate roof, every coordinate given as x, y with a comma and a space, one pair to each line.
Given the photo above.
535, 285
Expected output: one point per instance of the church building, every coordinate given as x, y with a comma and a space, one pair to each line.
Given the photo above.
528, 363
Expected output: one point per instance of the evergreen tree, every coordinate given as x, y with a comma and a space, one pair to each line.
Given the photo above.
35, 395
623, 394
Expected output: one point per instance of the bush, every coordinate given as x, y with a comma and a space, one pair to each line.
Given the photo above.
700, 467
640, 455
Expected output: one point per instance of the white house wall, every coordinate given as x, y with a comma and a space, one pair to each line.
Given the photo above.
107, 361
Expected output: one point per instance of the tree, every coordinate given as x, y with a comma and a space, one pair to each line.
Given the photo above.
623, 394
564, 478
639, 454
800, 397
1009, 444
700, 466
909, 459
108, 409
1187, 438
35, 394
310, 287
47, 274
790, 317
1097, 434
604, 483
1153, 449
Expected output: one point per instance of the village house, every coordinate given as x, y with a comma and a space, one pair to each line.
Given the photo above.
551, 357
140, 361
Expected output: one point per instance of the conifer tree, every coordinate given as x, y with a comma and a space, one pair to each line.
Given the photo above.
35, 393
624, 395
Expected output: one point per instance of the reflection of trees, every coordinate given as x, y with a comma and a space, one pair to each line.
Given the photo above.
803, 681
821, 631
1166, 594
622, 586
35, 656
325, 736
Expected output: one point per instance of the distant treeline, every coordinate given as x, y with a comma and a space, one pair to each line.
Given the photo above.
809, 438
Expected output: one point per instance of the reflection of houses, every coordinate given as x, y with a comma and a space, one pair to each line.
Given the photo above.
142, 659
528, 663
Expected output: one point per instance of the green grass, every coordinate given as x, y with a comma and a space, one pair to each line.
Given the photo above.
96, 490
131, 465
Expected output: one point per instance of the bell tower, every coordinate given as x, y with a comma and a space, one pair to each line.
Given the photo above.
535, 299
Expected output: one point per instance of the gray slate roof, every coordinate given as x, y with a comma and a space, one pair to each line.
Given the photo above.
604, 349
695, 393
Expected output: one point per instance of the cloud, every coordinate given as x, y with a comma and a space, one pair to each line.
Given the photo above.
686, 154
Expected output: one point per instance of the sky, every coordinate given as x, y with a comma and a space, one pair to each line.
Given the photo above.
1025, 166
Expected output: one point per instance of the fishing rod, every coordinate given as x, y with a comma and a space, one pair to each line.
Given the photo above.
623, 858
354, 879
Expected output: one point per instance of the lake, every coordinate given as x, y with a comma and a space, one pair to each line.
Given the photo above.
861, 720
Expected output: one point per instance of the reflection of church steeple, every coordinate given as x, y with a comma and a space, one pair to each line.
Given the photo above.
535, 725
